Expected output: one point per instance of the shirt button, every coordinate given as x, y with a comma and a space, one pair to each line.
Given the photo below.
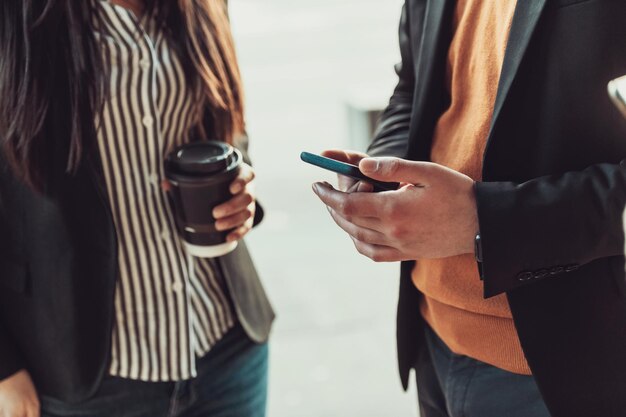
145, 64
154, 179
165, 235
148, 121
177, 286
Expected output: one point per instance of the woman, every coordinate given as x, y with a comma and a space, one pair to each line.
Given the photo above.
102, 313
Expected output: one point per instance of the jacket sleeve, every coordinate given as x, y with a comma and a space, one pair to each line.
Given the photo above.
10, 359
550, 226
392, 135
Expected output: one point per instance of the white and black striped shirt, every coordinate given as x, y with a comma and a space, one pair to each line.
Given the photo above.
170, 308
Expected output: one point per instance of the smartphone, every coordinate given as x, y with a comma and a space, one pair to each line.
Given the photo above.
348, 170
617, 91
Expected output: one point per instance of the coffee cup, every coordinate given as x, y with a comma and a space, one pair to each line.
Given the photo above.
200, 174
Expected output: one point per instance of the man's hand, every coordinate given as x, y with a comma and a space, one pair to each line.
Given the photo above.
432, 215
238, 212
350, 157
18, 397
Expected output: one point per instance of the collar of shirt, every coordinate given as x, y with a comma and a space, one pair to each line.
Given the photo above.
114, 20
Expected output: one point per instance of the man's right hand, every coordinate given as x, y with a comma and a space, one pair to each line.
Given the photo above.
347, 184
18, 396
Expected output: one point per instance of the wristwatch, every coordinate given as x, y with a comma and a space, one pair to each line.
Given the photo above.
478, 248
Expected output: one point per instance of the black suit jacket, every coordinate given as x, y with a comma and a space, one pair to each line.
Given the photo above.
553, 192
58, 269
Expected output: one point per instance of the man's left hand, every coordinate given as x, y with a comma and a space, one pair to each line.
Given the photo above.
432, 215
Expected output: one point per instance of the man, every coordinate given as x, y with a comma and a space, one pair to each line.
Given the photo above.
511, 161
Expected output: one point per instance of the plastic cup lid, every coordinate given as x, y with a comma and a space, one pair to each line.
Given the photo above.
201, 158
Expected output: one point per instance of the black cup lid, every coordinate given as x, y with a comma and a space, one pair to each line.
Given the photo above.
201, 158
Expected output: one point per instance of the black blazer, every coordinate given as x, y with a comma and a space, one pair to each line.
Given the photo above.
553, 192
58, 270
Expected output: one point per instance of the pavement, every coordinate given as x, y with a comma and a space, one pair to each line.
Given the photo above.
333, 347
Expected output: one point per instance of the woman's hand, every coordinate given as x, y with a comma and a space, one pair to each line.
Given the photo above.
18, 397
238, 212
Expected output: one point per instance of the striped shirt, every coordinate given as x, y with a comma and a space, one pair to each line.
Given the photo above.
170, 308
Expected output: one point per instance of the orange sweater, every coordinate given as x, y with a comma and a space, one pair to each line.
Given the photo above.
453, 303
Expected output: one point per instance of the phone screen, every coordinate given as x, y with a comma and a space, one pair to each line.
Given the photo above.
346, 169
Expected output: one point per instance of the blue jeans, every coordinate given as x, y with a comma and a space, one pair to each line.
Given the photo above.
231, 382
452, 385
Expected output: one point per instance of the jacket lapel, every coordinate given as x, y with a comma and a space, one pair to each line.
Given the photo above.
434, 23
430, 54
525, 22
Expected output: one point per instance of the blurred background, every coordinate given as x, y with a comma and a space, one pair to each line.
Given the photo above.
315, 72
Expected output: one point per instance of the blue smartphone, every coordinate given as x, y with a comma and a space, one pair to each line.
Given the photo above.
348, 170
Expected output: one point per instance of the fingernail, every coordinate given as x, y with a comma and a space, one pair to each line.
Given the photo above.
316, 188
369, 165
236, 188
364, 187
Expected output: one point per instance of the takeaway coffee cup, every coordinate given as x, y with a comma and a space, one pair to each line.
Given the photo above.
200, 174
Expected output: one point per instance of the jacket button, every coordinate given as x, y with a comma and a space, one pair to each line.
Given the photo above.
557, 270
573, 267
525, 276
542, 273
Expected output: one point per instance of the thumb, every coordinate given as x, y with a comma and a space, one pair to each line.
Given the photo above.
395, 170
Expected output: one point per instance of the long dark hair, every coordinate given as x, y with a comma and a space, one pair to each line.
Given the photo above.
52, 76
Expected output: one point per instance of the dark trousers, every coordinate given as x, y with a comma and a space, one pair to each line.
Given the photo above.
451, 385
231, 382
